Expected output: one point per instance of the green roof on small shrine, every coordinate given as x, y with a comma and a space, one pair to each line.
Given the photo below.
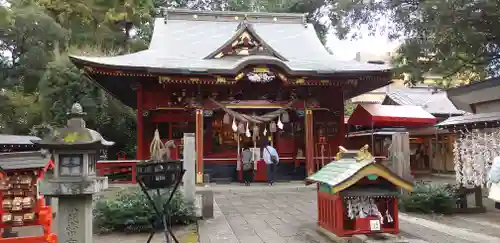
349, 169
336, 172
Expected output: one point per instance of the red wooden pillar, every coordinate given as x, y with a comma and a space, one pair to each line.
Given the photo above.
308, 123
341, 128
396, 216
140, 125
199, 146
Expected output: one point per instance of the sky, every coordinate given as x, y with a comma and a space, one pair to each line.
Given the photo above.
373, 45
347, 49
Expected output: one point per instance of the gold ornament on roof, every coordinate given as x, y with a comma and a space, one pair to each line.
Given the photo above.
342, 150
363, 154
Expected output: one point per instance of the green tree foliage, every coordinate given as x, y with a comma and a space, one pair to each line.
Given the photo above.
458, 39
438, 199
19, 113
349, 109
38, 84
63, 84
28, 37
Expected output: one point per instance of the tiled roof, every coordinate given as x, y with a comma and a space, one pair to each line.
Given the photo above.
346, 172
336, 172
492, 117
390, 115
436, 103
23, 160
16, 139
183, 40
369, 98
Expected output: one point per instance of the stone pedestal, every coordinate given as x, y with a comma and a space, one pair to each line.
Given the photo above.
73, 202
75, 219
189, 164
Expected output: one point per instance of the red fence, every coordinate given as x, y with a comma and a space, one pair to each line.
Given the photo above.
118, 171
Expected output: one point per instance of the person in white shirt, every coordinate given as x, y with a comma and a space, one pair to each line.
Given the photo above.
271, 158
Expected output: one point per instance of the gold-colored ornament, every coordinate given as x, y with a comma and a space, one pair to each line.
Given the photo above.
363, 154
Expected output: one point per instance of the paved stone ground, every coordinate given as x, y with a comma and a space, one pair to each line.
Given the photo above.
288, 213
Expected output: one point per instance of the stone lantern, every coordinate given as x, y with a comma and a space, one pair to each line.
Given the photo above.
75, 149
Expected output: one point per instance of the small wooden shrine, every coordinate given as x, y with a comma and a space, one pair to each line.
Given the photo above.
22, 205
357, 195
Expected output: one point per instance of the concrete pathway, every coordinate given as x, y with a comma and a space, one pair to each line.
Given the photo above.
288, 213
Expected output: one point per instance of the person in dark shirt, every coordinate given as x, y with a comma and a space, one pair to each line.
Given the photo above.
247, 165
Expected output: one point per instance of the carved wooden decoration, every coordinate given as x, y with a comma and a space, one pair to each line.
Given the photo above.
245, 42
244, 45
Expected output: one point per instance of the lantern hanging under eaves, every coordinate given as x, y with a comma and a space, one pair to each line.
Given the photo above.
241, 128
272, 127
227, 119
255, 130
285, 117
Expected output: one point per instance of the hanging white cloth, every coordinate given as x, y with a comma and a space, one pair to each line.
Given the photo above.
494, 173
494, 179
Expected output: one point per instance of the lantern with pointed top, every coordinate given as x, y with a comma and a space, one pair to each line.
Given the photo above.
76, 150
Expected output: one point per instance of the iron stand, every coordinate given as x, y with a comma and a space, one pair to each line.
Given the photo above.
162, 215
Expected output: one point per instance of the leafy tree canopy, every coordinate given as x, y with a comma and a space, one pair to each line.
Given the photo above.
38, 83
455, 38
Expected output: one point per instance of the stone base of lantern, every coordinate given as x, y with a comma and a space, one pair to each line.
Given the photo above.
379, 238
75, 219
74, 186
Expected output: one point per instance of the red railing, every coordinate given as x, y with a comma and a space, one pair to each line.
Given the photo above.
118, 171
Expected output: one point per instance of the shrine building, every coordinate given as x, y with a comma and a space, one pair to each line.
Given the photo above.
234, 79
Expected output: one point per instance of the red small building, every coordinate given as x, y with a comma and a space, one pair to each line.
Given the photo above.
374, 124
358, 196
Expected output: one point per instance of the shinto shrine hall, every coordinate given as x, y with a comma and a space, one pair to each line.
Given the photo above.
233, 79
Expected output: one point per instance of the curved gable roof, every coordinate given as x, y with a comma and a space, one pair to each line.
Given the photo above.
181, 42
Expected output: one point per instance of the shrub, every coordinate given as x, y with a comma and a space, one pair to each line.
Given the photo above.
130, 211
429, 199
